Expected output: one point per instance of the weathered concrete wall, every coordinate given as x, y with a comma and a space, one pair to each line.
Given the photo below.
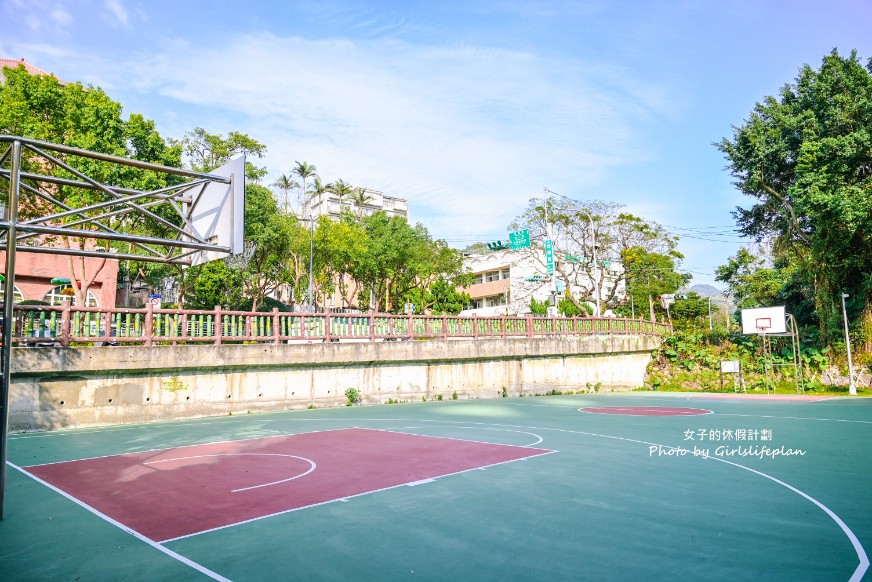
74, 387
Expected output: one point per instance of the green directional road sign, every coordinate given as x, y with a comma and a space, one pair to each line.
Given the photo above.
549, 256
519, 240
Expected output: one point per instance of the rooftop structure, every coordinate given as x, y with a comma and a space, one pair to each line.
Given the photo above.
327, 203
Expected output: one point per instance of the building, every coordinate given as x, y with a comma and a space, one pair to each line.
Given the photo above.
505, 281
12, 63
327, 203
35, 273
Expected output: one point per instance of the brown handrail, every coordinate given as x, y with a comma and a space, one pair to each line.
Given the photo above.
66, 324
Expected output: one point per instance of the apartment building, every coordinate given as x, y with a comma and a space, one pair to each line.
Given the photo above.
327, 203
505, 281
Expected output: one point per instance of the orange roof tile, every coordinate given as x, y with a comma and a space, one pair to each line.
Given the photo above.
12, 63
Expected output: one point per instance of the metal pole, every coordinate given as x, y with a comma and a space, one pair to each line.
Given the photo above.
8, 300
710, 314
311, 256
852, 387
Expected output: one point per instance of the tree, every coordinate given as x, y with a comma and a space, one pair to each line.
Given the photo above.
806, 159
214, 283
689, 310
360, 198
40, 107
206, 151
584, 230
749, 282
285, 184
271, 232
305, 171
650, 275
342, 190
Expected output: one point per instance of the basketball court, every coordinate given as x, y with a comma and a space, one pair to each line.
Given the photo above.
602, 487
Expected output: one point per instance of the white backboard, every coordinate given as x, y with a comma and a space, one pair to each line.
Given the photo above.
764, 320
219, 212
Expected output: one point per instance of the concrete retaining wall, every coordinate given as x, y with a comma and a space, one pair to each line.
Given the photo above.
75, 387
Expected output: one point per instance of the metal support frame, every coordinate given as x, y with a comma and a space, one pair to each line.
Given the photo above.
112, 214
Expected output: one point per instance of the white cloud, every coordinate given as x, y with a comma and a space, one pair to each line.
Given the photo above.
41, 16
468, 134
116, 13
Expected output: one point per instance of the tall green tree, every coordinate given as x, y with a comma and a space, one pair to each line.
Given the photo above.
206, 151
650, 275
750, 282
41, 107
586, 230
805, 157
285, 184
272, 234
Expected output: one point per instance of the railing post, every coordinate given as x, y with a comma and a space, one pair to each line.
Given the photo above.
444, 326
411, 327
372, 325
326, 325
219, 325
475, 326
529, 321
276, 324
149, 323
65, 323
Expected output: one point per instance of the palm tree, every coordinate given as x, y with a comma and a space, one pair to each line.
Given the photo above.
285, 184
360, 199
342, 190
306, 170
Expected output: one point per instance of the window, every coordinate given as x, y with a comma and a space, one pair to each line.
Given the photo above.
479, 279
493, 276
505, 274
17, 295
55, 297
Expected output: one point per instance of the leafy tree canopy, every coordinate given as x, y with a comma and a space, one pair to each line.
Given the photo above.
805, 157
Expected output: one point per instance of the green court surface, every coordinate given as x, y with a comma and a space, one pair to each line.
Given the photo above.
753, 489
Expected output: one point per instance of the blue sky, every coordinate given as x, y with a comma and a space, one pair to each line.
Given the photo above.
467, 109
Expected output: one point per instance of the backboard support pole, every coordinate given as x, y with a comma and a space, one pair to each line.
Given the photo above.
8, 301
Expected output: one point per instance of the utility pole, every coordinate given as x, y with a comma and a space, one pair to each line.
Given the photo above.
710, 313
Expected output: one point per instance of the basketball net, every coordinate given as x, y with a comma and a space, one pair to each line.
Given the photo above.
241, 260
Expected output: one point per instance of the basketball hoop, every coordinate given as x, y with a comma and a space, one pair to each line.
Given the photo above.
762, 324
240, 260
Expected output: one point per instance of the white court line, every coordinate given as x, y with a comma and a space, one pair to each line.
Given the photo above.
855, 542
401, 428
634, 410
159, 547
342, 499
221, 442
312, 465
861, 554
795, 417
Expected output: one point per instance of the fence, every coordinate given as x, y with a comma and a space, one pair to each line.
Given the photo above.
64, 325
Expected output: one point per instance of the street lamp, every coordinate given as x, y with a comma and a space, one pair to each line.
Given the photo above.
852, 387
593, 232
